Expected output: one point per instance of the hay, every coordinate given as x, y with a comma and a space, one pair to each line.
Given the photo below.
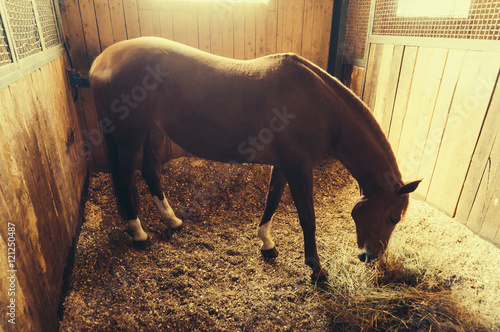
211, 277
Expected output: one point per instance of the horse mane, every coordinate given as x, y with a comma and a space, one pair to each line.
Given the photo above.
362, 110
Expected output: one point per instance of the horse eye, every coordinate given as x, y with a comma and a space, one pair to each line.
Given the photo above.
394, 221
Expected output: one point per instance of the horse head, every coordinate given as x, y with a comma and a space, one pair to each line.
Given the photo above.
376, 216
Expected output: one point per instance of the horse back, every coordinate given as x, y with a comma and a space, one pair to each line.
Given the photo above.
213, 107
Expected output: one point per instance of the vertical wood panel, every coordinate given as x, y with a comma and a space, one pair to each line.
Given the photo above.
216, 33
239, 32
41, 193
146, 22
103, 18
425, 86
117, 20
166, 24
402, 96
250, 33
387, 105
308, 29
444, 128
204, 28
131, 18
260, 30
467, 113
453, 67
228, 46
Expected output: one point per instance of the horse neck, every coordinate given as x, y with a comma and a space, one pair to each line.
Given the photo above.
363, 148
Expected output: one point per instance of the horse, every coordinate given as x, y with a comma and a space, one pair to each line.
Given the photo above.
281, 110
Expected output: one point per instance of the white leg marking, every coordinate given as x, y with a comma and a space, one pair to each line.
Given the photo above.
166, 212
264, 233
138, 234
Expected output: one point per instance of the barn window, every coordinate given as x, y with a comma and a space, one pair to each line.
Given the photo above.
30, 37
226, 1
433, 8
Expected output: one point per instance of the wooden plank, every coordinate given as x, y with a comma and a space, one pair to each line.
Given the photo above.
454, 63
250, 33
191, 24
131, 18
324, 22
287, 34
216, 32
74, 30
103, 17
298, 26
260, 29
491, 221
280, 11
475, 216
239, 32
227, 20
204, 29
92, 42
117, 15
357, 80
307, 31
146, 22
166, 25
427, 76
468, 109
402, 96
379, 79
179, 26
155, 17
372, 64
480, 160
271, 27
392, 85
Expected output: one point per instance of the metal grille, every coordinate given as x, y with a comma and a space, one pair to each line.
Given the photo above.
24, 30
482, 22
5, 57
356, 29
48, 22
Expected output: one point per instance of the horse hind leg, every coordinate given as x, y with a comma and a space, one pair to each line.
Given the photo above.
127, 195
151, 171
276, 186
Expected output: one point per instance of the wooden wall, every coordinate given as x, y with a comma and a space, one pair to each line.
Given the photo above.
41, 183
440, 109
235, 30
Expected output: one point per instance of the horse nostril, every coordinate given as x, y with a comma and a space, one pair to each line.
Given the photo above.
364, 257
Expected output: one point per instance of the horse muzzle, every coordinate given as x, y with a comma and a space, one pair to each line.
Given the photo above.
366, 256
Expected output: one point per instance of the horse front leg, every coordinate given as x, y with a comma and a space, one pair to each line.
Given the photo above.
276, 186
300, 181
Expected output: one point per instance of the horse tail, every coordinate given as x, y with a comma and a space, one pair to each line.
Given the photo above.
114, 167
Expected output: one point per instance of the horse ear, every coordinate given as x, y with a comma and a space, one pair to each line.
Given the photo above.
409, 187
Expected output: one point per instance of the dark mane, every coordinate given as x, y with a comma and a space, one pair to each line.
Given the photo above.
363, 111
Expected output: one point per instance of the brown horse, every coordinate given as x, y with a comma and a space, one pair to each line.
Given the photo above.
279, 110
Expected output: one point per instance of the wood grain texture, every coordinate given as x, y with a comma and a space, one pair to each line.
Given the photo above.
41, 193
467, 113
444, 128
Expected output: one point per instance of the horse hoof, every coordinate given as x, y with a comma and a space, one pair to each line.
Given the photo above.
178, 228
142, 245
270, 253
319, 276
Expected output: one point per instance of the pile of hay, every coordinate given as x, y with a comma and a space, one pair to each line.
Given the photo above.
211, 277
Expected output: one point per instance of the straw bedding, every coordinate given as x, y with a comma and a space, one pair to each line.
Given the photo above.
210, 276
